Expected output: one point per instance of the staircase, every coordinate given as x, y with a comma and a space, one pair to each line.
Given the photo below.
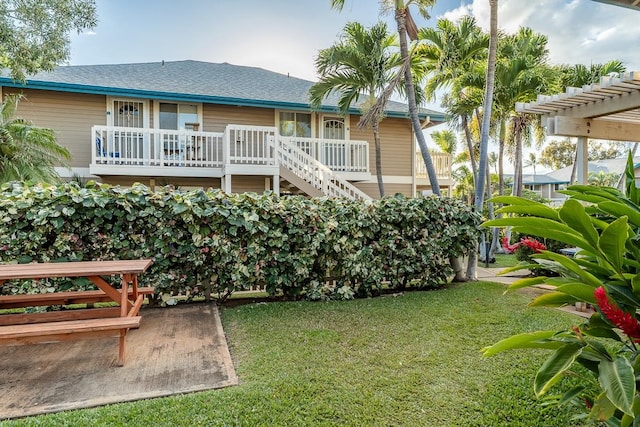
306, 174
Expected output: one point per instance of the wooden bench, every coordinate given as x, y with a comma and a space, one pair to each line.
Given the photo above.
61, 298
64, 330
27, 328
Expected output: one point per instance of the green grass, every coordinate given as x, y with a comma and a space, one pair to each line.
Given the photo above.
504, 261
409, 360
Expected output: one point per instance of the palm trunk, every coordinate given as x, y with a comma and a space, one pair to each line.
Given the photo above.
517, 176
472, 156
486, 121
376, 140
401, 22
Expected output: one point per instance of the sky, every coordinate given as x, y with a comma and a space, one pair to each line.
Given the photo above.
286, 35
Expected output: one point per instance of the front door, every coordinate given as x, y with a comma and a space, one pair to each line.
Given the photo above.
129, 117
334, 149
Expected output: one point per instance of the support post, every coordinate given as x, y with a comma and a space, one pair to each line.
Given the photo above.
582, 160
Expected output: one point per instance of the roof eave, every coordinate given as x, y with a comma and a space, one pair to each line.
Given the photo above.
172, 96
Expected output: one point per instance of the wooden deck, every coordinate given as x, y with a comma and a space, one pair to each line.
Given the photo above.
177, 350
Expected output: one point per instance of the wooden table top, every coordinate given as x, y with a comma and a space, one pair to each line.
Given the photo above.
73, 269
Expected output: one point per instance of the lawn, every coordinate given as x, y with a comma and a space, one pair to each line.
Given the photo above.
406, 360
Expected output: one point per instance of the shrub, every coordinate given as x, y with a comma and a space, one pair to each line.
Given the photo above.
205, 242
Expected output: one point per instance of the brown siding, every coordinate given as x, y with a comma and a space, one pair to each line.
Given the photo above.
71, 115
244, 184
217, 117
396, 141
389, 189
186, 183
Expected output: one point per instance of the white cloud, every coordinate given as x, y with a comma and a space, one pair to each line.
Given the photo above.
579, 32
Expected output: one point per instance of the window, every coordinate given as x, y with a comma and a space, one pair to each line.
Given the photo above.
333, 128
128, 113
177, 116
295, 124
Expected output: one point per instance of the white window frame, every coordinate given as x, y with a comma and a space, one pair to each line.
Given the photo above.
347, 127
156, 111
313, 119
111, 113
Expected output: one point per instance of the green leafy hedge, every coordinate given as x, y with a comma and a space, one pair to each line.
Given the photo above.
206, 242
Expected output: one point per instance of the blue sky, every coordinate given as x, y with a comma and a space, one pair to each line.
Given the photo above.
285, 35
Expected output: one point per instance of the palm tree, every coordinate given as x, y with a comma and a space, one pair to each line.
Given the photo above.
405, 26
361, 63
484, 130
522, 74
531, 161
27, 152
448, 51
445, 140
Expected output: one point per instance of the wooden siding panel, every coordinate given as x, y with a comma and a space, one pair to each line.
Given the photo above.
71, 115
217, 117
389, 189
184, 183
245, 184
396, 143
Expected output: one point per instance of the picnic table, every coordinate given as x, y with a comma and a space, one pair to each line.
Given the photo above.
26, 328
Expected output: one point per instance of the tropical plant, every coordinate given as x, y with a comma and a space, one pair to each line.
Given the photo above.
532, 161
27, 152
448, 51
406, 26
603, 352
361, 63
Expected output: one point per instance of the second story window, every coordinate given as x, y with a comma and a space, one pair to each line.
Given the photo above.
176, 116
295, 124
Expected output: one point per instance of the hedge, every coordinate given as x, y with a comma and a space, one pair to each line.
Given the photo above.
208, 242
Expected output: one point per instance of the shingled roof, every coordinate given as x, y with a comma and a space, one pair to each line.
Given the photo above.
193, 81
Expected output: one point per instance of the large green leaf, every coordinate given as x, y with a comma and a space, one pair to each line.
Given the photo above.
542, 227
553, 299
572, 266
580, 291
612, 241
603, 409
617, 380
538, 211
555, 366
618, 209
573, 214
525, 283
540, 339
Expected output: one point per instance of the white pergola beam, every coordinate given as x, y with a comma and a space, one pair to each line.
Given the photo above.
594, 128
605, 107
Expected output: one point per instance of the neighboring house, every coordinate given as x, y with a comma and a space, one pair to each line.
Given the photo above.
198, 124
548, 185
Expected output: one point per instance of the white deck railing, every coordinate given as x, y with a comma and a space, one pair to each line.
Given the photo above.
441, 162
314, 172
156, 147
337, 154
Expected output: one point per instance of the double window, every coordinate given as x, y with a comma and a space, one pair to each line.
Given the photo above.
177, 116
295, 124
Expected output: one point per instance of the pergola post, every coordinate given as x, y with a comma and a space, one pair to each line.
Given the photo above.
582, 160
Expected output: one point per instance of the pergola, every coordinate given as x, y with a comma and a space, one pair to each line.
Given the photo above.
608, 110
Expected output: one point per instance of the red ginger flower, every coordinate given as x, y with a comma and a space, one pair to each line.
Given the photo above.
625, 321
533, 244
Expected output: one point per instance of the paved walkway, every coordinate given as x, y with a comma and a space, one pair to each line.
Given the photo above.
176, 350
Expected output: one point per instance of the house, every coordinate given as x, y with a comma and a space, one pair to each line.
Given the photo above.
546, 186
199, 124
